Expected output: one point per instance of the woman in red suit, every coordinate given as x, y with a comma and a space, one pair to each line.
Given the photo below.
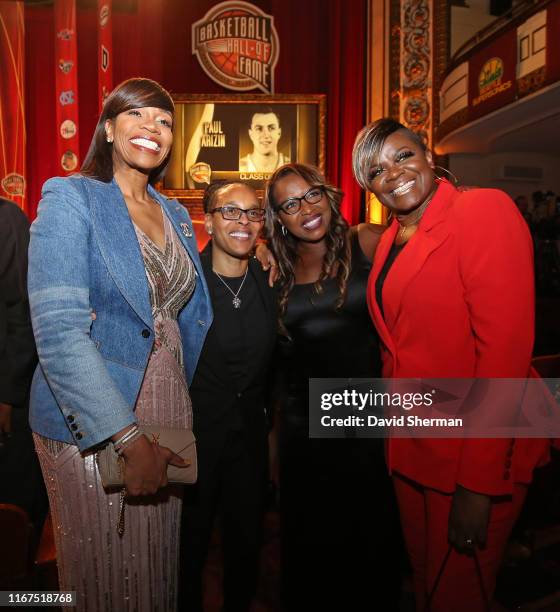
451, 294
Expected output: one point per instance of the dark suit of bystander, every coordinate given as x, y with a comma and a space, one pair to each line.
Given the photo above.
19, 470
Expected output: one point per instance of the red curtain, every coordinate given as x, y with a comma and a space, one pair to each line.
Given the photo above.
40, 108
322, 50
347, 96
12, 115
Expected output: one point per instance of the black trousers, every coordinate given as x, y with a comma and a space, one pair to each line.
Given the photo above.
341, 543
231, 488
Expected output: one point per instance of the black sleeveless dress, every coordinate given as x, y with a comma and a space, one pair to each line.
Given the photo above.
340, 535
328, 343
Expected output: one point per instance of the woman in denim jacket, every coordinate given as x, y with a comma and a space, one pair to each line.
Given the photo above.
120, 311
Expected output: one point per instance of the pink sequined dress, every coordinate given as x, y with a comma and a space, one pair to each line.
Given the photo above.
138, 571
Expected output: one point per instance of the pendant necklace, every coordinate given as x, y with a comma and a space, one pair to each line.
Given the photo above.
236, 299
416, 217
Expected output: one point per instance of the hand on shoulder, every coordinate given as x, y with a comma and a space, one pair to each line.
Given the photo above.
369, 235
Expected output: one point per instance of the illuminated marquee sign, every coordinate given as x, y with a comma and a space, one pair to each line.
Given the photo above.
237, 46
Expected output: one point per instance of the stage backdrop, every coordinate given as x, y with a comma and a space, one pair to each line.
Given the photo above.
322, 50
12, 116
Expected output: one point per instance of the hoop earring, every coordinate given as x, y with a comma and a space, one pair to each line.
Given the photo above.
454, 179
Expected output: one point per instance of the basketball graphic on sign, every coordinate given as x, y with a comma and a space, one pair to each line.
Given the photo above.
237, 46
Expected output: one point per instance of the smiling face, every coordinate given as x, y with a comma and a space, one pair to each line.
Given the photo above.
142, 138
402, 178
311, 222
265, 133
234, 238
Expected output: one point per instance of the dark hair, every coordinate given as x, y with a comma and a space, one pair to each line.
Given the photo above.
284, 247
264, 110
134, 93
368, 145
212, 190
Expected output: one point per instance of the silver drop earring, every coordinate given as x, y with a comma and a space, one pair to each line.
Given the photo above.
284, 230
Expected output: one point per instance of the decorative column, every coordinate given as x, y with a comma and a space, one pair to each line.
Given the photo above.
105, 50
66, 57
408, 53
416, 67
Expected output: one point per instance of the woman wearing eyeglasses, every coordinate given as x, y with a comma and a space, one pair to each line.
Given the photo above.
228, 394
337, 509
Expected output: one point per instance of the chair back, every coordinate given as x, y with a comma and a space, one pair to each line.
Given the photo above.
548, 366
15, 535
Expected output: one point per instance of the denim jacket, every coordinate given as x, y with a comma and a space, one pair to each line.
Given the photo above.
84, 257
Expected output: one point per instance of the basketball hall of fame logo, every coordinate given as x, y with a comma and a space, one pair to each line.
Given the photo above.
237, 46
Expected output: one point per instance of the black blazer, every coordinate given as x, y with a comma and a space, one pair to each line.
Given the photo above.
17, 347
218, 406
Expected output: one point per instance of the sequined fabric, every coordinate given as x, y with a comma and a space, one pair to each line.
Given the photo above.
137, 572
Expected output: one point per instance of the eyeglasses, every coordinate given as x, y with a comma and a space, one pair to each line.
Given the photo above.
313, 196
232, 213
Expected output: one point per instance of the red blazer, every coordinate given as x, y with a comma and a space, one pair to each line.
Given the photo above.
459, 303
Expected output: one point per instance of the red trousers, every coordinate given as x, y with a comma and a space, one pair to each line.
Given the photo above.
424, 518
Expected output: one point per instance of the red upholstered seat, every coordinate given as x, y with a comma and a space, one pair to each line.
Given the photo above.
46, 552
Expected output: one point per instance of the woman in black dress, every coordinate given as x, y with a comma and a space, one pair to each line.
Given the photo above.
336, 503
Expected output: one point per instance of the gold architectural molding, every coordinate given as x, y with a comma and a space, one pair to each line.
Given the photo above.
377, 86
408, 53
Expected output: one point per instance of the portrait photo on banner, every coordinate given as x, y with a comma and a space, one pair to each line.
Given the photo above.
242, 137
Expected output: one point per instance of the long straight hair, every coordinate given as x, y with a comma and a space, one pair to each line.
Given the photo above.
133, 93
284, 246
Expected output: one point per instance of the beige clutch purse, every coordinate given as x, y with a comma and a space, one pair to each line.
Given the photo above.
180, 441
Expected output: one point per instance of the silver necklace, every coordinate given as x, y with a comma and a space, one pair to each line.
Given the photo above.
236, 300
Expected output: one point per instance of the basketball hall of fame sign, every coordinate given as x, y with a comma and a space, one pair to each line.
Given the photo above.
237, 46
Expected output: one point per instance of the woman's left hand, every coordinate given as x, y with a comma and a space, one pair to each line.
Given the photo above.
468, 519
